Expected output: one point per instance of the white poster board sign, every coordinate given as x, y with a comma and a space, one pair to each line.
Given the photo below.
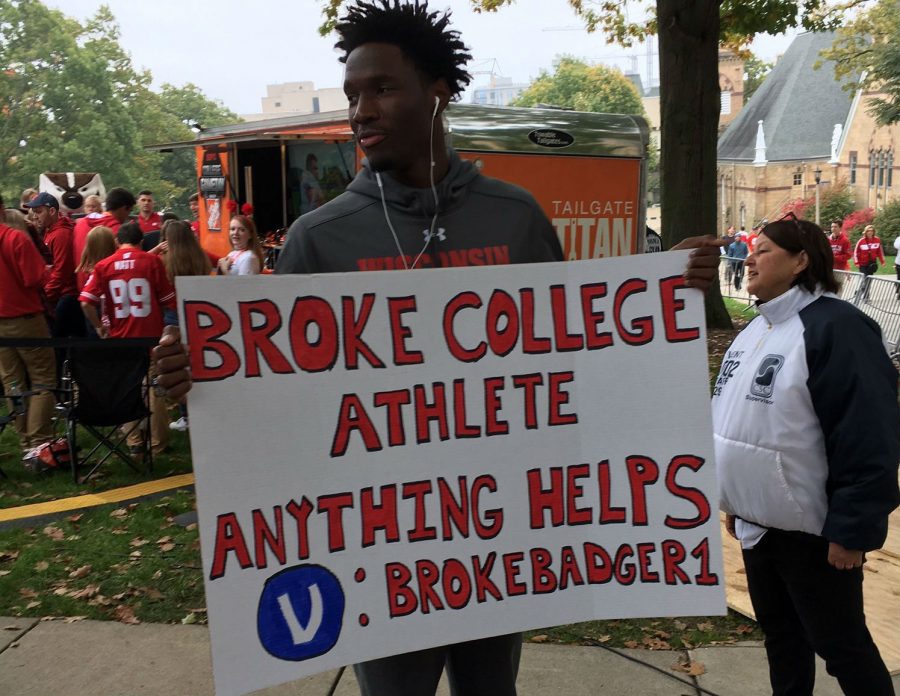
392, 461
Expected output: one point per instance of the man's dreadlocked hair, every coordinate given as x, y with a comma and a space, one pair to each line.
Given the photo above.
423, 36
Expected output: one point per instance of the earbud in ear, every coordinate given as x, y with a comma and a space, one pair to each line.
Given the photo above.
437, 105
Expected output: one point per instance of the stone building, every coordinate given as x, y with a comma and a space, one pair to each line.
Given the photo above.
801, 125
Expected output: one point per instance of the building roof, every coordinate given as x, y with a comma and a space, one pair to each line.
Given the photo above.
798, 105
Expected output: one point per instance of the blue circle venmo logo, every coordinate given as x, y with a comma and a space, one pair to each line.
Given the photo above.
300, 613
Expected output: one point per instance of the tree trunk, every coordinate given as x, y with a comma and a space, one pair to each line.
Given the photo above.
689, 113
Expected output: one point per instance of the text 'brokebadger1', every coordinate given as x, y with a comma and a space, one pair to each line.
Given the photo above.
322, 334
446, 510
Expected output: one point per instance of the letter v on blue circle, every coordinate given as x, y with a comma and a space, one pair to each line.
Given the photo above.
300, 612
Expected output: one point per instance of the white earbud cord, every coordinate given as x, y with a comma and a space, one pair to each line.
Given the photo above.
434, 192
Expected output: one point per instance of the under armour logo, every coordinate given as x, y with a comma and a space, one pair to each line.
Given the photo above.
440, 233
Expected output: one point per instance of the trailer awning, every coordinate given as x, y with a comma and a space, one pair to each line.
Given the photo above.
339, 132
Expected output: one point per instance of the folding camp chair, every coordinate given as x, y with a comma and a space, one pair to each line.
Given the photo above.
106, 394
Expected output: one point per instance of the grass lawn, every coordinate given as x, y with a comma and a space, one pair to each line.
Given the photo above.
24, 487
133, 563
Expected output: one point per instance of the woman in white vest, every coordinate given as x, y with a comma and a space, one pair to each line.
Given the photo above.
805, 416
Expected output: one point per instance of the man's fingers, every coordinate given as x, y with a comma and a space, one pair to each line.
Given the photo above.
700, 242
706, 257
175, 384
170, 336
173, 375
171, 363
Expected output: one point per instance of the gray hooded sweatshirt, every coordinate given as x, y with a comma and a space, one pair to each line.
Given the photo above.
481, 222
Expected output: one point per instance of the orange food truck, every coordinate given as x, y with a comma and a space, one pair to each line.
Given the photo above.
587, 170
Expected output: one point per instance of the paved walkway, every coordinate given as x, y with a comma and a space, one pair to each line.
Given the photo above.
99, 658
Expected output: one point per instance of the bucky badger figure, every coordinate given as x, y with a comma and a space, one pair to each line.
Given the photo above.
71, 188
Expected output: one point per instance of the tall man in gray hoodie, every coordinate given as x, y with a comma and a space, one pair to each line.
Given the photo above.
416, 204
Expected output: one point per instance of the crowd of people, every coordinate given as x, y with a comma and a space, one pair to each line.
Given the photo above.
99, 274
805, 408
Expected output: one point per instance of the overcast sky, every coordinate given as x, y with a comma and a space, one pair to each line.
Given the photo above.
232, 49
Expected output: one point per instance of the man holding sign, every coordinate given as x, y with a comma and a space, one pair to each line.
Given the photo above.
415, 204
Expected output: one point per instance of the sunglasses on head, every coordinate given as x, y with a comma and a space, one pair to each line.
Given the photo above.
791, 217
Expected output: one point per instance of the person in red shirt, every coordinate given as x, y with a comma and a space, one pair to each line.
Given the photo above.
840, 247
147, 219
22, 316
61, 289
119, 204
866, 255
137, 290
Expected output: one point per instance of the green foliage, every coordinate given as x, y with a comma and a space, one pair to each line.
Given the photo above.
887, 225
71, 100
576, 85
835, 203
755, 71
869, 46
739, 20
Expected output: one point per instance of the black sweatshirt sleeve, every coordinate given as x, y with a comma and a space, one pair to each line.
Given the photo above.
543, 237
297, 256
853, 386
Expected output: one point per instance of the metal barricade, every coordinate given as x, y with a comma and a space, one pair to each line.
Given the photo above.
730, 271
879, 298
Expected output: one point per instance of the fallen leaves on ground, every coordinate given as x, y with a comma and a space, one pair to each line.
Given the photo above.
119, 513
692, 668
54, 533
151, 593
41, 566
166, 544
81, 572
654, 643
85, 593
125, 614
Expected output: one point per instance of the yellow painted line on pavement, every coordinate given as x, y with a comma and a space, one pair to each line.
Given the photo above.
117, 495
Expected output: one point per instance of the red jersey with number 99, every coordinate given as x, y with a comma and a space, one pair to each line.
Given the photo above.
136, 288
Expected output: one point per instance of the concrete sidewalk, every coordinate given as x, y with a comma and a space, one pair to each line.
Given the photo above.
99, 658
